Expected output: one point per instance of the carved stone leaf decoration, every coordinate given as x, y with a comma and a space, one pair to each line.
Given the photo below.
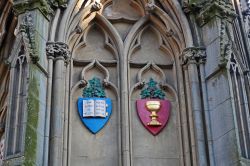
152, 91
95, 89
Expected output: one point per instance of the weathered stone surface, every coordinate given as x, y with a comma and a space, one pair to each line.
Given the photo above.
34, 140
225, 149
125, 43
23, 6
219, 90
211, 31
222, 118
99, 149
212, 58
153, 149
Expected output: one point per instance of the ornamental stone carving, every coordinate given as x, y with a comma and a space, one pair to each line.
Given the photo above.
58, 50
246, 12
58, 3
45, 6
27, 31
150, 7
96, 6
20, 6
246, 18
207, 10
194, 55
218, 8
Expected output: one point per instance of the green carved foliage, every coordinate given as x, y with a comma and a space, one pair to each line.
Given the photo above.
152, 91
95, 89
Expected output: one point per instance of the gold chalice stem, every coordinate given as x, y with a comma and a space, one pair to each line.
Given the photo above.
153, 107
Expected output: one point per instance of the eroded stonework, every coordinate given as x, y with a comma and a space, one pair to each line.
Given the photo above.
57, 50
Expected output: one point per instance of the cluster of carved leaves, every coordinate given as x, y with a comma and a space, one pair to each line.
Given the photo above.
152, 91
94, 89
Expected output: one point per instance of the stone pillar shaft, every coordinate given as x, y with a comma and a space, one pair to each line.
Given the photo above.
59, 51
48, 115
191, 58
207, 115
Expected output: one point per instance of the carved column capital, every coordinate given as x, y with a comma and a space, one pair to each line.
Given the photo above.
58, 3
193, 55
58, 50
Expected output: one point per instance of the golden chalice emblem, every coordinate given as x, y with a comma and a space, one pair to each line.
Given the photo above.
153, 107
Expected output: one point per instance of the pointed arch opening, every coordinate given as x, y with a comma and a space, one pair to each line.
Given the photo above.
143, 43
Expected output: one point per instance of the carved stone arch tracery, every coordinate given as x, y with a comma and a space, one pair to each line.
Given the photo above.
122, 64
90, 43
96, 52
153, 52
239, 84
156, 43
17, 115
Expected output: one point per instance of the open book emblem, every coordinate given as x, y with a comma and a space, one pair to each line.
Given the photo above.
94, 112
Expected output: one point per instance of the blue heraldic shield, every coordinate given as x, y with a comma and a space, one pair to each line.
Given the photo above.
94, 112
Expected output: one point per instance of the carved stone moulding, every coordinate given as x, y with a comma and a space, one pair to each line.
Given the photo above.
58, 3
205, 11
218, 8
45, 6
27, 31
21, 6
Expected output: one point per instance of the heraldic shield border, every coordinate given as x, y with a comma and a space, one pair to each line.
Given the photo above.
145, 115
94, 124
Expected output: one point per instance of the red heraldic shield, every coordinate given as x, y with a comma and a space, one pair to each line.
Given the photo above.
146, 116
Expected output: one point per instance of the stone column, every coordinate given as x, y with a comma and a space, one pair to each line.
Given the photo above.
215, 19
60, 53
207, 117
191, 57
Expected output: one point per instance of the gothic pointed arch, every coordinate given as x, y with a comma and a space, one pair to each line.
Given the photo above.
19, 61
124, 44
84, 11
